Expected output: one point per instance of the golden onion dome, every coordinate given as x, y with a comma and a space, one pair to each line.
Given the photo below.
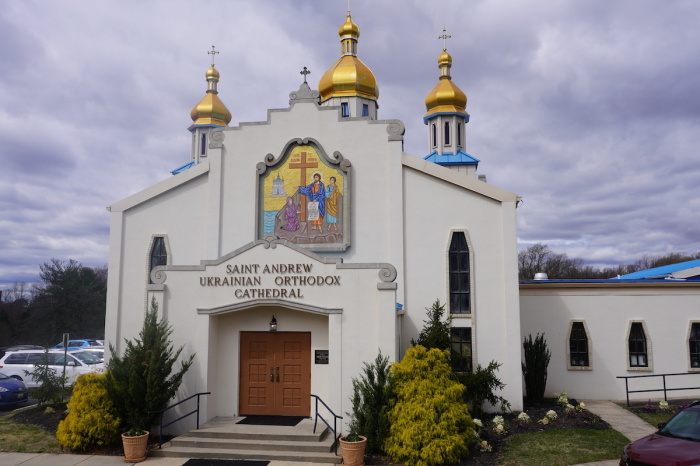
445, 97
348, 76
211, 110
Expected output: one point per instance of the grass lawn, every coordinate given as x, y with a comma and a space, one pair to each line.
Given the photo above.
654, 418
563, 447
26, 439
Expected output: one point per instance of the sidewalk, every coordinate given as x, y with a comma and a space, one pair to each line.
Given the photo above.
622, 421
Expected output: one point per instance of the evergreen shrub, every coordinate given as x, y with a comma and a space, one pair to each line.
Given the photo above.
51, 386
537, 358
92, 418
142, 381
430, 423
481, 385
371, 395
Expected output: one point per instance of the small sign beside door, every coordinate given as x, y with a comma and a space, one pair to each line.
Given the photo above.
321, 357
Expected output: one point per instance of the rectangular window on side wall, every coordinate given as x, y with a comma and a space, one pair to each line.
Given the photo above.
638, 346
461, 349
694, 345
578, 345
459, 274
344, 109
365, 110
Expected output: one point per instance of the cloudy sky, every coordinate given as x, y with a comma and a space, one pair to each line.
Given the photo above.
588, 109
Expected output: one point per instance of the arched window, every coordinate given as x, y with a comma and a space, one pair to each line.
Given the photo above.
447, 133
578, 345
203, 149
638, 346
159, 254
459, 274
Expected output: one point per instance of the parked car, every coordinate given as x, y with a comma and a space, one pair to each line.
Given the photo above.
676, 442
77, 344
16, 363
18, 347
12, 391
98, 351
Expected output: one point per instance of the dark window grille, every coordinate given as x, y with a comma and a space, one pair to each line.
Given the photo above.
344, 109
365, 110
694, 345
459, 134
638, 346
447, 133
203, 149
159, 255
434, 135
459, 274
578, 345
461, 349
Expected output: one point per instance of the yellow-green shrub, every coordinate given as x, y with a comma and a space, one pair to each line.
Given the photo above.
430, 423
92, 419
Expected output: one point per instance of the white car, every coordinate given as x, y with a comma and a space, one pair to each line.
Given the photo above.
17, 363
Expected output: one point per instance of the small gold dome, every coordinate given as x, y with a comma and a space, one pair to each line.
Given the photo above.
445, 96
348, 76
349, 28
211, 110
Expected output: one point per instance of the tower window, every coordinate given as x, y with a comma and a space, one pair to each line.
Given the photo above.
694, 345
459, 274
459, 134
434, 135
638, 346
159, 254
365, 110
578, 345
203, 150
447, 133
461, 349
344, 109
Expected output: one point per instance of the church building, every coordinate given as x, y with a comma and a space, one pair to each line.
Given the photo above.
286, 253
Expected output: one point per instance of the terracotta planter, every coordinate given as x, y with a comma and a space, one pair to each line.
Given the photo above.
135, 448
353, 452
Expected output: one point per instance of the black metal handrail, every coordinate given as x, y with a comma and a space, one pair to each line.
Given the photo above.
333, 429
664, 389
162, 411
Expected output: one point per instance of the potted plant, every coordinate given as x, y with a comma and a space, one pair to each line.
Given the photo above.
135, 443
352, 447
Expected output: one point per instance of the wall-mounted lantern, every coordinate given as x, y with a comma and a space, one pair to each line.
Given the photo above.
273, 324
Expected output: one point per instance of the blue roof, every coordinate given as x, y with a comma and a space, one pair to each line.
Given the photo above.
183, 168
665, 271
449, 158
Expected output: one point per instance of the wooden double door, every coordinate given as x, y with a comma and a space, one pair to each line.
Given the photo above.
275, 373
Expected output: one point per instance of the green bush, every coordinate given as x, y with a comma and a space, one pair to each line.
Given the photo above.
481, 385
430, 423
371, 395
436, 331
92, 419
51, 386
142, 381
535, 366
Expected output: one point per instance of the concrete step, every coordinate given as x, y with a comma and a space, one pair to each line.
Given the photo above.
223, 438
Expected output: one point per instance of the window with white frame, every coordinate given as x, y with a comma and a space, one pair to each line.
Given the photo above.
578, 345
461, 338
637, 344
158, 255
460, 293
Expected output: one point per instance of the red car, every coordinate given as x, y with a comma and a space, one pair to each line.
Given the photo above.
677, 443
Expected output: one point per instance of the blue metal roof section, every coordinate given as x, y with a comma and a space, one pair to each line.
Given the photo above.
427, 118
449, 158
680, 270
181, 169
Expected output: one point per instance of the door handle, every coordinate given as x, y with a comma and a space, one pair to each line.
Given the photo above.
278, 373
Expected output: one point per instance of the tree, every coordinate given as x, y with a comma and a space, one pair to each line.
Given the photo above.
71, 299
142, 381
13, 310
436, 330
371, 395
430, 423
535, 366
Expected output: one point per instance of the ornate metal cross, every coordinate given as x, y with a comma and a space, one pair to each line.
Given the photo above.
444, 38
